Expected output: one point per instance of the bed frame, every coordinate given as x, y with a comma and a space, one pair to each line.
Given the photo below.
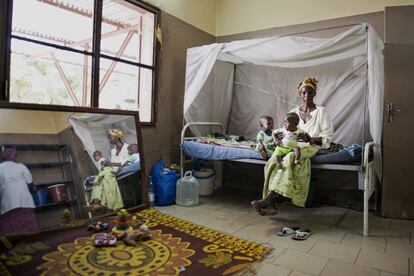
366, 174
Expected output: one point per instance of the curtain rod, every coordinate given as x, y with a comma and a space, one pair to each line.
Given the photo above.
323, 29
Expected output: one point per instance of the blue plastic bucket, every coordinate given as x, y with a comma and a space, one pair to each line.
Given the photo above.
40, 197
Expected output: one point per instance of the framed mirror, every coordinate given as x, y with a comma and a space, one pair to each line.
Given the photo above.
59, 168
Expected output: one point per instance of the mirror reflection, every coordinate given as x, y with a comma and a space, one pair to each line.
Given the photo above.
60, 168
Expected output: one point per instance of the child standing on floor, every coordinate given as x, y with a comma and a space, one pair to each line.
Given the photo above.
286, 138
265, 142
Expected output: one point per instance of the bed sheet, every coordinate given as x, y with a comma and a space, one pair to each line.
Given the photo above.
215, 152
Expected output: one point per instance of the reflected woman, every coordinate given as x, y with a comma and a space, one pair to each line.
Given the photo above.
119, 153
105, 191
17, 207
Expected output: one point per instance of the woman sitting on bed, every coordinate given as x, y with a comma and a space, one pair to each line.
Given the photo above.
106, 194
293, 181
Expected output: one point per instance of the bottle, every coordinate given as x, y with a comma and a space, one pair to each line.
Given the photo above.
187, 190
151, 195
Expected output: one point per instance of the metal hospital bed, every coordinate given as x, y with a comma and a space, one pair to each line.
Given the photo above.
366, 175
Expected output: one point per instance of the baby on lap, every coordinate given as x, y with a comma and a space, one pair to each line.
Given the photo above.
286, 139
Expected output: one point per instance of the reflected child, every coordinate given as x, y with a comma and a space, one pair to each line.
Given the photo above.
105, 189
103, 168
98, 157
133, 155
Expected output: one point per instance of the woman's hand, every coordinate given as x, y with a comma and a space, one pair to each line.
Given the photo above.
304, 137
278, 136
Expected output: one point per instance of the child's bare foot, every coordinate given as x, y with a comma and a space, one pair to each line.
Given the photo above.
263, 153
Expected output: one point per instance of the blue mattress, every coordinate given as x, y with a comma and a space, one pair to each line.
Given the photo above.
213, 152
131, 168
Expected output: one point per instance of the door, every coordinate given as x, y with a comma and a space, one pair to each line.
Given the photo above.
398, 145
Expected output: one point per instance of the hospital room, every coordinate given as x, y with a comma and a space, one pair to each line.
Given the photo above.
206, 137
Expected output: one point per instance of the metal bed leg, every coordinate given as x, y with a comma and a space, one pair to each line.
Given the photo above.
366, 209
368, 184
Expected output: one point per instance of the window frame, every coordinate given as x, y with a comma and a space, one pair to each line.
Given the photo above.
6, 11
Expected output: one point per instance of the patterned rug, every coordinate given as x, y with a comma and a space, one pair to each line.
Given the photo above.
177, 247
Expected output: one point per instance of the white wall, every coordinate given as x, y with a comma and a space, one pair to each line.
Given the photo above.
199, 13
238, 16
31, 121
226, 17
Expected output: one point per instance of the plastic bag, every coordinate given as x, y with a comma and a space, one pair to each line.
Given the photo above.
164, 182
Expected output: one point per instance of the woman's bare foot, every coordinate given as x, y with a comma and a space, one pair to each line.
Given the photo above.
257, 206
93, 207
268, 211
261, 204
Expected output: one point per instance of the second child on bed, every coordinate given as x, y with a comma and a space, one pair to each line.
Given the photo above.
287, 137
265, 144
105, 191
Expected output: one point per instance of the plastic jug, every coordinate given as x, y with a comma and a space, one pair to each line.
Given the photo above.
187, 190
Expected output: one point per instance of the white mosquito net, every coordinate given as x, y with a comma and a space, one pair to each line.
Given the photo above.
235, 83
92, 131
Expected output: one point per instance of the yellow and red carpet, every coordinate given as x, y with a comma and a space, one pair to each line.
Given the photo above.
177, 247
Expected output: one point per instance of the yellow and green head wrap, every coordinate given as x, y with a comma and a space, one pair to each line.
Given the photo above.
116, 132
311, 82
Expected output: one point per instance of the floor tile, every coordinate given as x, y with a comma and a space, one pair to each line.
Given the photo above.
258, 233
338, 268
400, 224
337, 236
385, 273
369, 242
389, 234
298, 273
319, 219
385, 262
274, 254
400, 249
327, 233
254, 218
288, 242
303, 262
337, 251
268, 269
204, 208
225, 225
229, 214
374, 221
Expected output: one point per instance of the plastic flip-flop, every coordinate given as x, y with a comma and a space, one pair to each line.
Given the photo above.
302, 234
286, 231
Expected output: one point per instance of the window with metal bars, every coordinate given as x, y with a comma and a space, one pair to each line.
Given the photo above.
79, 54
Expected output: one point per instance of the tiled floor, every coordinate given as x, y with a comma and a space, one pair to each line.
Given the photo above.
336, 246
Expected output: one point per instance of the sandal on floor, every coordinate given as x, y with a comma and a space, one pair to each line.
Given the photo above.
302, 234
286, 231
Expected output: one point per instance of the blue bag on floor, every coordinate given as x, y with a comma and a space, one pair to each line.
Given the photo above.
164, 182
